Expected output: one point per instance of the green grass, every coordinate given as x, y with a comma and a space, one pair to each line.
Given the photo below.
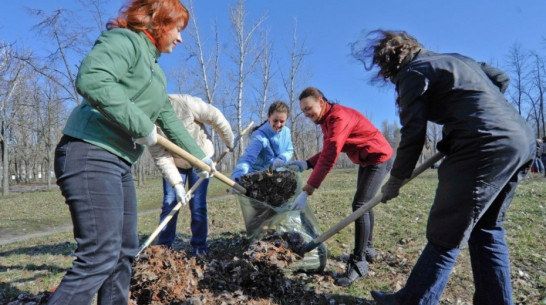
38, 264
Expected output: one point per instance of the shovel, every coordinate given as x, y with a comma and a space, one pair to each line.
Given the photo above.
364, 208
169, 145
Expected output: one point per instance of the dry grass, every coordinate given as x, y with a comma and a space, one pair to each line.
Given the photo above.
38, 264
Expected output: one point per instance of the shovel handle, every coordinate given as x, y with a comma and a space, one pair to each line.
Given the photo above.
188, 195
365, 207
173, 148
234, 142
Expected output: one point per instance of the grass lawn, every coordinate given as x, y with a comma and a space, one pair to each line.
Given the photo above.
37, 264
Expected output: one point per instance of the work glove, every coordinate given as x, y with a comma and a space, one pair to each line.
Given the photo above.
203, 173
391, 189
298, 165
148, 140
300, 201
278, 162
180, 193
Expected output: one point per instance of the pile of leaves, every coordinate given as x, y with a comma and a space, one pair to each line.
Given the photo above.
270, 186
235, 271
258, 276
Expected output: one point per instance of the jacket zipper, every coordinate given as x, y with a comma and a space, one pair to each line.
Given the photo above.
139, 93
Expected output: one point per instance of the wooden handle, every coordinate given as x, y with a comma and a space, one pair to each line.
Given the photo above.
188, 195
367, 206
234, 142
170, 146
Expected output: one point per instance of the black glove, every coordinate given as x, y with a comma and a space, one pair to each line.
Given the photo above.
391, 189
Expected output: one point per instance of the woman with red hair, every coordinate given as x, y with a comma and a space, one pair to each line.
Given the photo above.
124, 97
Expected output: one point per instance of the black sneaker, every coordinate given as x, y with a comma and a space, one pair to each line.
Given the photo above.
385, 298
355, 270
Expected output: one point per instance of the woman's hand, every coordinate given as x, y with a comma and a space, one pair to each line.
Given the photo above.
308, 189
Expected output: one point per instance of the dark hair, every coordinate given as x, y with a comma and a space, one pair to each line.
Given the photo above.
312, 91
389, 50
276, 106
159, 16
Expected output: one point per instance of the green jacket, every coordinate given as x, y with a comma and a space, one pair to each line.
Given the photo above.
125, 94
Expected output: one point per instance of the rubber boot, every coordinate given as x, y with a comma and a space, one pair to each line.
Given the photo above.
357, 267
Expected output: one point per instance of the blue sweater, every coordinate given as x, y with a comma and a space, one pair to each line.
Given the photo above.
264, 147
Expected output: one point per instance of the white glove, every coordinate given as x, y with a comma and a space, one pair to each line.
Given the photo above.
278, 162
298, 165
180, 193
300, 201
149, 140
203, 173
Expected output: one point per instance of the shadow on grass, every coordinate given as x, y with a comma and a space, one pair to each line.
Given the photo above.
65, 248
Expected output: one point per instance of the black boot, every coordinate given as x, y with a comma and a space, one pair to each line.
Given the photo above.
385, 298
370, 252
356, 268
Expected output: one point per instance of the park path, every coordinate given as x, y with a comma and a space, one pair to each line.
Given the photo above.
68, 227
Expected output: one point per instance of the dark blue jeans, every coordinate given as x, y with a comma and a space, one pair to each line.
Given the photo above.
198, 209
488, 256
100, 193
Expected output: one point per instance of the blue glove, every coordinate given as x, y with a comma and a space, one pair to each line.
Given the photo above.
278, 162
391, 189
203, 173
298, 165
300, 201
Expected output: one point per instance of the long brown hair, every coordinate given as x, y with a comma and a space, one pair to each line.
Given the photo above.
156, 16
389, 50
277, 106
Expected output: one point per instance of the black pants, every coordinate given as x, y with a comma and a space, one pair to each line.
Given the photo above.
368, 183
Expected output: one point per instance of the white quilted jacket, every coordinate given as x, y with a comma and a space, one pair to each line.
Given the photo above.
194, 114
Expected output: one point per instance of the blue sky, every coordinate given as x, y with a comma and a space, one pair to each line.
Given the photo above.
482, 29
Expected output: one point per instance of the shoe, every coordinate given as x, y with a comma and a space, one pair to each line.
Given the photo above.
385, 298
199, 253
370, 254
355, 270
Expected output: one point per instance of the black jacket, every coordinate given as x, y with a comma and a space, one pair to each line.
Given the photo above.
462, 95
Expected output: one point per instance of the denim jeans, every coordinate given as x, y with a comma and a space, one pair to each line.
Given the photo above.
198, 210
100, 193
488, 256
538, 165
368, 183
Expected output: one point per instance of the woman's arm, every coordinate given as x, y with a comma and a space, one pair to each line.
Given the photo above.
245, 162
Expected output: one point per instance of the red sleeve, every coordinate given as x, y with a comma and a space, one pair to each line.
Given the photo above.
337, 131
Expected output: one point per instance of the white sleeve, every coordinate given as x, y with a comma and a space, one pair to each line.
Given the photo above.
208, 114
165, 162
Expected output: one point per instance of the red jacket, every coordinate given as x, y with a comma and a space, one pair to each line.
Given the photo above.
347, 130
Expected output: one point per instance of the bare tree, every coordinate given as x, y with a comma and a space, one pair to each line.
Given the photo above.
70, 40
96, 9
266, 73
535, 94
290, 83
12, 75
50, 115
517, 66
245, 65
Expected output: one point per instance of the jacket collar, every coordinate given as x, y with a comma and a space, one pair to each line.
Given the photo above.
151, 46
326, 111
